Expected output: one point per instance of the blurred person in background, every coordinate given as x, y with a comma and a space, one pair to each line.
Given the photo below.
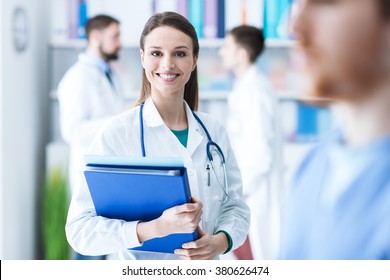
90, 92
339, 202
255, 133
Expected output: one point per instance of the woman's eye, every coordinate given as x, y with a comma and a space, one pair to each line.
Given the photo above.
155, 53
181, 54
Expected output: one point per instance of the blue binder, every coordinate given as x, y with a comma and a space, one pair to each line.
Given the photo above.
139, 189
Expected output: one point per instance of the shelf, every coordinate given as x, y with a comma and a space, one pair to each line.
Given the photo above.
286, 96
280, 43
203, 95
204, 43
215, 95
270, 43
68, 44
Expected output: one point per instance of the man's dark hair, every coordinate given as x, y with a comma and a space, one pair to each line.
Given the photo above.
250, 38
99, 22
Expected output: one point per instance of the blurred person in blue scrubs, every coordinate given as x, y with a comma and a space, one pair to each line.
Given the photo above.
90, 92
253, 127
339, 202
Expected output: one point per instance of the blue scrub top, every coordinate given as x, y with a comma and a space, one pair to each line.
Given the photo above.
339, 203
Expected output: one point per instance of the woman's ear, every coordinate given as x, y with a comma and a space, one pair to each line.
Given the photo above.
195, 62
141, 53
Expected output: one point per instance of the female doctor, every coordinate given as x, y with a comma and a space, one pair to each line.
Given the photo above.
164, 125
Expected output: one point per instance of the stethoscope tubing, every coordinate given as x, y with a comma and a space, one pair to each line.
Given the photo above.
210, 144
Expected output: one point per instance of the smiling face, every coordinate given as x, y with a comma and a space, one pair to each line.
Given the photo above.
344, 45
168, 61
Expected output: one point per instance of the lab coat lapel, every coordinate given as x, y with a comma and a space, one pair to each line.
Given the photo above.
195, 136
158, 142
152, 118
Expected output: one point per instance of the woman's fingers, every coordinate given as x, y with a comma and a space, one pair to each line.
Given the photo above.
187, 207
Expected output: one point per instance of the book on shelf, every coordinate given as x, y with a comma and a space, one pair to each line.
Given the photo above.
83, 18
221, 19
196, 15
275, 23
211, 19
77, 13
312, 122
182, 8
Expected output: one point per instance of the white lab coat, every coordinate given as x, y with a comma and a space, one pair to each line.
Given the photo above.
95, 235
254, 130
86, 100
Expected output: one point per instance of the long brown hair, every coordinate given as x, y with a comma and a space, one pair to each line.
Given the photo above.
177, 21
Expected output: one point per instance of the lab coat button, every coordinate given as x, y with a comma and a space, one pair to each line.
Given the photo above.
190, 172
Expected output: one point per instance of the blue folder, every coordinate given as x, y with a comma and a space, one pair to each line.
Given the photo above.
134, 189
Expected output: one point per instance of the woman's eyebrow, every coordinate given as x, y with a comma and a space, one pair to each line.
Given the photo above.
159, 48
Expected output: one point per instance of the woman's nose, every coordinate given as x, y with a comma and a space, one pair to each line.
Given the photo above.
167, 63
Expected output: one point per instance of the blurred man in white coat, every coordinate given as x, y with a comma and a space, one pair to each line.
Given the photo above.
255, 134
90, 91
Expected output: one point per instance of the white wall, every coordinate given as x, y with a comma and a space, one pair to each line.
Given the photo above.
23, 118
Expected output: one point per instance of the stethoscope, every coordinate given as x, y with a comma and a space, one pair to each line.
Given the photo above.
210, 147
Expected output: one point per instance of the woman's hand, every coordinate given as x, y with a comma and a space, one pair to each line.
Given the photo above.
205, 248
183, 218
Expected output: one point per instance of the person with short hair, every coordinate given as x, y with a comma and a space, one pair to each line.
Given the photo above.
254, 129
90, 92
339, 202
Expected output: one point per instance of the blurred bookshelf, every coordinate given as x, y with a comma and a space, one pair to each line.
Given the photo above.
203, 43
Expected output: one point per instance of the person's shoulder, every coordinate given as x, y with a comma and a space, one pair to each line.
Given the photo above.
257, 84
74, 74
114, 133
316, 153
213, 125
264, 82
82, 68
123, 118
324, 142
208, 119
